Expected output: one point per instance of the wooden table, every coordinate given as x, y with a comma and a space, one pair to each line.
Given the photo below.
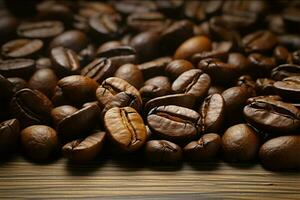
127, 178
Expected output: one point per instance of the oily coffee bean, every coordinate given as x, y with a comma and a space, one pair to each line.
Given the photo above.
272, 116
155, 67
260, 41
240, 61
39, 142
72, 39
215, 90
109, 45
146, 21
130, 73
163, 151
111, 87
285, 70
17, 84
87, 55
246, 80
206, 148
296, 57
21, 48
261, 65
42, 30
75, 89
177, 67
88, 9
9, 136
43, 80
290, 40
240, 143
212, 113
17, 67
193, 82
31, 107
42, 63
156, 87
61, 112
83, 150
281, 54
174, 123
128, 7
289, 88
65, 61
125, 128
265, 86
280, 153
196, 58
6, 89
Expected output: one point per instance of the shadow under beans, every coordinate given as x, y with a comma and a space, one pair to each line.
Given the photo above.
165, 166
5, 158
239, 165
129, 162
204, 166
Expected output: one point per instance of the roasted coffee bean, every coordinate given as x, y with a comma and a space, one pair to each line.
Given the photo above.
177, 67
132, 74
192, 46
290, 40
17, 84
109, 45
155, 67
280, 153
240, 143
266, 97
246, 80
212, 113
31, 107
193, 82
9, 136
260, 41
128, 7
79, 123
87, 55
76, 89
206, 148
6, 89
146, 21
42, 30
17, 67
21, 48
273, 116
291, 17
156, 87
61, 112
42, 63
174, 123
163, 151
240, 61
281, 54
65, 61
43, 80
215, 90
196, 58
72, 39
83, 150
285, 70
296, 57
112, 86
289, 88
88, 9
261, 65
265, 86
8, 26
39, 142
125, 128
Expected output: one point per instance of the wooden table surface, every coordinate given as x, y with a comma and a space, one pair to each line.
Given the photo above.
127, 178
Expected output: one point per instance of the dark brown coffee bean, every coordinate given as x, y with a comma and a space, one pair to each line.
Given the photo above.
42, 30
285, 70
260, 41
240, 143
43, 80
291, 17
65, 61
112, 86
240, 61
132, 74
8, 26
17, 67
192, 46
281, 54
196, 58
9, 136
174, 123
128, 7
215, 90
177, 67
6, 89
266, 98
163, 152
146, 21
156, 87
18, 83
39, 142
290, 40
125, 128
109, 45
72, 39
87, 55
21, 48
31, 107
84, 150
61, 112
289, 88
212, 113
76, 89
246, 80
155, 67
42, 63
261, 65
79, 123
296, 57
193, 82
280, 153
265, 86
206, 148
88, 9
273, 116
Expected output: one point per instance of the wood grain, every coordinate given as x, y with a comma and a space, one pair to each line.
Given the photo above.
127, 178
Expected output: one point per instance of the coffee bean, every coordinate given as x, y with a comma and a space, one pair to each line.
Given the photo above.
265, 86
132, 74
291, 17
31, 107
39, 142
6, 89
288, 88
156, 87
285, 70
87, 55
280, 153
146, 21
8, 26
240, 143
260, 41
65, 61
174, 123
163, 151
261, 65
206, 148
9, 136
155, 67
61, 112
109, 45
88, 9
273, 116
246, 80
17, 83
128, 7
42, 63
177, 67
83, 150
290, 40
281, 54
215, 90
240, 61
125, 128
17, 67
21, 48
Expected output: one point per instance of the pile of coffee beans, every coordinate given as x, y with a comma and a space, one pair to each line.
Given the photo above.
171, 80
